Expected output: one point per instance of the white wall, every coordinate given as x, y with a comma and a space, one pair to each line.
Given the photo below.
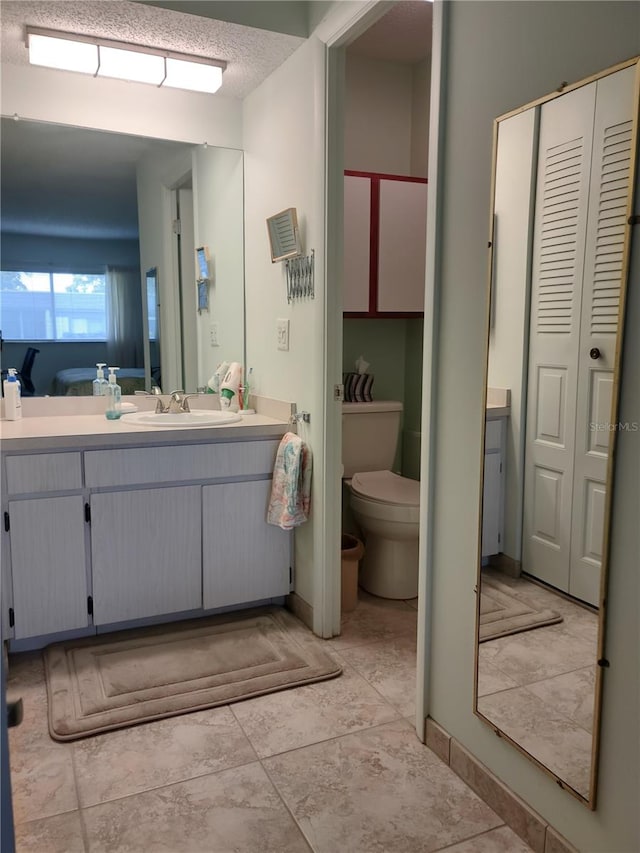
378, 101
502, 55
420, 98
66, 98
155, 176
509, 331
284, 157
219, 224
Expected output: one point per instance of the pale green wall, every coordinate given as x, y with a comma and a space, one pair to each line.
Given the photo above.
393, 349
499, 56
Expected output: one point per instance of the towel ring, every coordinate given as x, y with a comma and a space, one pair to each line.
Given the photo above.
298, 417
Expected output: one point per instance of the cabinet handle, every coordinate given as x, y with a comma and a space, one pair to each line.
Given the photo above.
87, 513
594, 353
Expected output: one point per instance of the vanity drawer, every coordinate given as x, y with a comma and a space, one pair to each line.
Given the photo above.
493, 435
43, 472
129, 467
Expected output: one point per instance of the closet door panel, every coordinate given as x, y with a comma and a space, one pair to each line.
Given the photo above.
562, 189
604, 256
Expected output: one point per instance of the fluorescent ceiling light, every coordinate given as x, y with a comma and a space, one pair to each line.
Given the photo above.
66, 54
107, 58
193, 75
131, 65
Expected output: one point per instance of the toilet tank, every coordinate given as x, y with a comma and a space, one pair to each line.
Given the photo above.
370, 435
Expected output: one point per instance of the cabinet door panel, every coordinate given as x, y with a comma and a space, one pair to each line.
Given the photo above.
146, 553
357, 238
491, 505
244, 558
48, 565
402, 246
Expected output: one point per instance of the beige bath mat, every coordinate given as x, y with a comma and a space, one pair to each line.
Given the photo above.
502, 614
115, 680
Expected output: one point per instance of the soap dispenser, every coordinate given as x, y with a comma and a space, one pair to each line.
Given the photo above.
113, 395
12, 401
100, 383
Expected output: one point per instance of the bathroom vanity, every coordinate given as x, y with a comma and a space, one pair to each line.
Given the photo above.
108, 525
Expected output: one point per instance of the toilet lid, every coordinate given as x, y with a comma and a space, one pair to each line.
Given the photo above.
386, 487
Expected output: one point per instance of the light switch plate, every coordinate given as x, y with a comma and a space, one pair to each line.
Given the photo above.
282, 333
214, 338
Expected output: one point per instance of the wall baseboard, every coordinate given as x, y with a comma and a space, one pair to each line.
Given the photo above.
521, 818
300, 608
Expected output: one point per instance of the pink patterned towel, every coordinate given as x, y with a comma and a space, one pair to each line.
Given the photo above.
291, 485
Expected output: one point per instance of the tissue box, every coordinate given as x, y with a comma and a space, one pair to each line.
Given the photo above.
357, 387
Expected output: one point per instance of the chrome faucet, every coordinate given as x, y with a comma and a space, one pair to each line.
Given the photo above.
178, 403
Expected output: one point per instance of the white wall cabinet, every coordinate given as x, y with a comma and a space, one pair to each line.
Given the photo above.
172, 529
49, 566
493, 491
385, 223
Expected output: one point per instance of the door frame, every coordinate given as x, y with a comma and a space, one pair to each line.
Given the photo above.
347, 25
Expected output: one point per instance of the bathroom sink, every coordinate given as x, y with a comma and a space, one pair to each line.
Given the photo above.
181, 419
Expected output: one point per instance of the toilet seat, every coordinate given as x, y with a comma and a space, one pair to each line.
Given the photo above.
386, 496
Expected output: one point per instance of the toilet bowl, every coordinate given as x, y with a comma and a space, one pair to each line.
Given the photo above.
386, 507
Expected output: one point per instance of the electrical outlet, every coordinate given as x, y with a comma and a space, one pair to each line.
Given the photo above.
214, 338
282, 333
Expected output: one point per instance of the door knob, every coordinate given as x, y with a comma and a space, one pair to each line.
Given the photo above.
594, 353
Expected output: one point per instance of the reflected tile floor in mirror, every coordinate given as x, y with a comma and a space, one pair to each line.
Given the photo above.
332, 766
538, 686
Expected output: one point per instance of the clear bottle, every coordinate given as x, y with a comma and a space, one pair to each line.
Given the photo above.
100, 383
12, 399
113, 395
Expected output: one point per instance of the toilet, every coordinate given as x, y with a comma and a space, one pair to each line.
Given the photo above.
385, 505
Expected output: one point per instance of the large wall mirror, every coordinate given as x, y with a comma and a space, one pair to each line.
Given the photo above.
84, 215
564, 172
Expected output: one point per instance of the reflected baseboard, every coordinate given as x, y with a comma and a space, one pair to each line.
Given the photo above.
506, 564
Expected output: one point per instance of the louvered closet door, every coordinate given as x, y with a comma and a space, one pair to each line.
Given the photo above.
564, 158
610, 176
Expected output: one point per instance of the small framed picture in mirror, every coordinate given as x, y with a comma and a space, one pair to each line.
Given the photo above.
202, 255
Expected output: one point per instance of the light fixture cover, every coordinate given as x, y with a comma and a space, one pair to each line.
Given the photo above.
108, 58
65, 54
131, 65
196, 76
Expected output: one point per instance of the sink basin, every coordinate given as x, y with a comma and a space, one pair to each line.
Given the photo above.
181, 419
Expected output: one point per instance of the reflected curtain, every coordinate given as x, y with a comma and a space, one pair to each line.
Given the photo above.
124, 333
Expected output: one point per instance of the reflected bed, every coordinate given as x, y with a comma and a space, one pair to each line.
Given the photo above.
78, 381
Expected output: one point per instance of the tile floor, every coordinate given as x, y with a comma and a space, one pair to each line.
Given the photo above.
538, 686
333, 767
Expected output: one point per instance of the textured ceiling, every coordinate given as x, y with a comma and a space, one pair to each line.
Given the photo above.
402, 35
252, 54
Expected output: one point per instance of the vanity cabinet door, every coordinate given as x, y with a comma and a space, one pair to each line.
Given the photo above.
244, 558
48, 563
146, 553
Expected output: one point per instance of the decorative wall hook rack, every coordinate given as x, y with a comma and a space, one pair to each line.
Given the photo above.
300, 277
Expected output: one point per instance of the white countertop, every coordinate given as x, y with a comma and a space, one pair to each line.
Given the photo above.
495, 410
31, 433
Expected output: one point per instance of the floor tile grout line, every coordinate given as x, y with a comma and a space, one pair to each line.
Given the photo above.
168, 785
307, 841
478, 835
397, 719
76, 782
